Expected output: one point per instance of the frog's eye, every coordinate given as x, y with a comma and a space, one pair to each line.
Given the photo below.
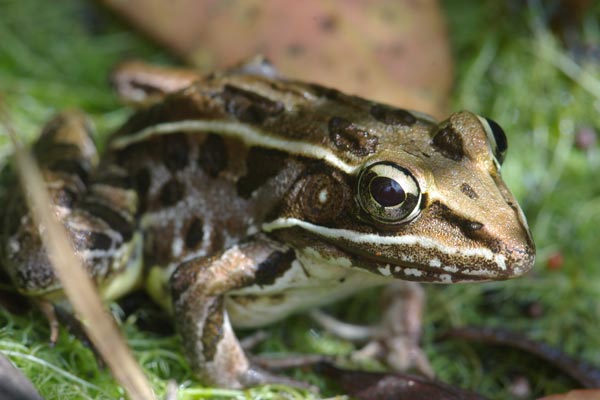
496, 137
388, 193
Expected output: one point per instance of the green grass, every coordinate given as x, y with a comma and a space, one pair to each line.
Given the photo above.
512, 70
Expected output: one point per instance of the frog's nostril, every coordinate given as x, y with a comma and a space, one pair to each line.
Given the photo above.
474, 226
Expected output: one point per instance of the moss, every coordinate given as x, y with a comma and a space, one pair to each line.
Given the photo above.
512, 70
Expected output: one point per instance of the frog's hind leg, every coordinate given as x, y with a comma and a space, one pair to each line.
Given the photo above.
199, 287
66, 155
96, 208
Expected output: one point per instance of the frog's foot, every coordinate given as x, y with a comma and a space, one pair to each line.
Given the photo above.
60, 315
97, 209
395, 340
401, 352
270, 363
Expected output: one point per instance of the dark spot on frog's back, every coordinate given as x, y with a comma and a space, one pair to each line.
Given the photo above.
99, 241
175, 147
468, 191
141, 181
348, 137
326, 92
248, 106
114, 220
171, 192
158, 246
262, 164
194, 233
71, 167
449, 144
176, 107
212, 155
112, 178
392, 116
274, 266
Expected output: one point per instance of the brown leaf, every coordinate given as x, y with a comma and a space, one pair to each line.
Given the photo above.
391, 51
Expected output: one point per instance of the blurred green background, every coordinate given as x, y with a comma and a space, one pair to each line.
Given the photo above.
517, 63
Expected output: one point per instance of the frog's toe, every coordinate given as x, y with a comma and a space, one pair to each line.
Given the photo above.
399, 353
49, 312
257, 376
403, 353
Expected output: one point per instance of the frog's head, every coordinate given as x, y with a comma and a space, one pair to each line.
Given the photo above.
429, 205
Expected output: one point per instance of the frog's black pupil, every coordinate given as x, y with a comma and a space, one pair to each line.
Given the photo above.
499, 136
386, 191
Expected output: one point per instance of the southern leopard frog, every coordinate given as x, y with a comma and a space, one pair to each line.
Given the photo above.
239, 197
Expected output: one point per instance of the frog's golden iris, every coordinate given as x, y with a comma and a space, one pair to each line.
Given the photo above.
389, 193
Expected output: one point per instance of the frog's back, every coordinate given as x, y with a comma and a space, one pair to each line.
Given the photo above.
211, 162
294, 117
200, 192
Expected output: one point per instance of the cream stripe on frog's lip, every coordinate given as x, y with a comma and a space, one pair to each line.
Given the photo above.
358, 237
424, 273
247, 134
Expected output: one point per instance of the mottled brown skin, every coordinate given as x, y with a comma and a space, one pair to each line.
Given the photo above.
67, 157
242, 195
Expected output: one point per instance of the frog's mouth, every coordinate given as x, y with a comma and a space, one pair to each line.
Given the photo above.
416, 258
420, 272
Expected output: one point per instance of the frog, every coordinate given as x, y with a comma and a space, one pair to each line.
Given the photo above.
240, 197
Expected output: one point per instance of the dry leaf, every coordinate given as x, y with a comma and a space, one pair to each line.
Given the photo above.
391, 51
579, 394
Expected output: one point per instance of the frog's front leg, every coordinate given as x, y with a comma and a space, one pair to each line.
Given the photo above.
199, 288
398, 336
97, 209
395, 339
